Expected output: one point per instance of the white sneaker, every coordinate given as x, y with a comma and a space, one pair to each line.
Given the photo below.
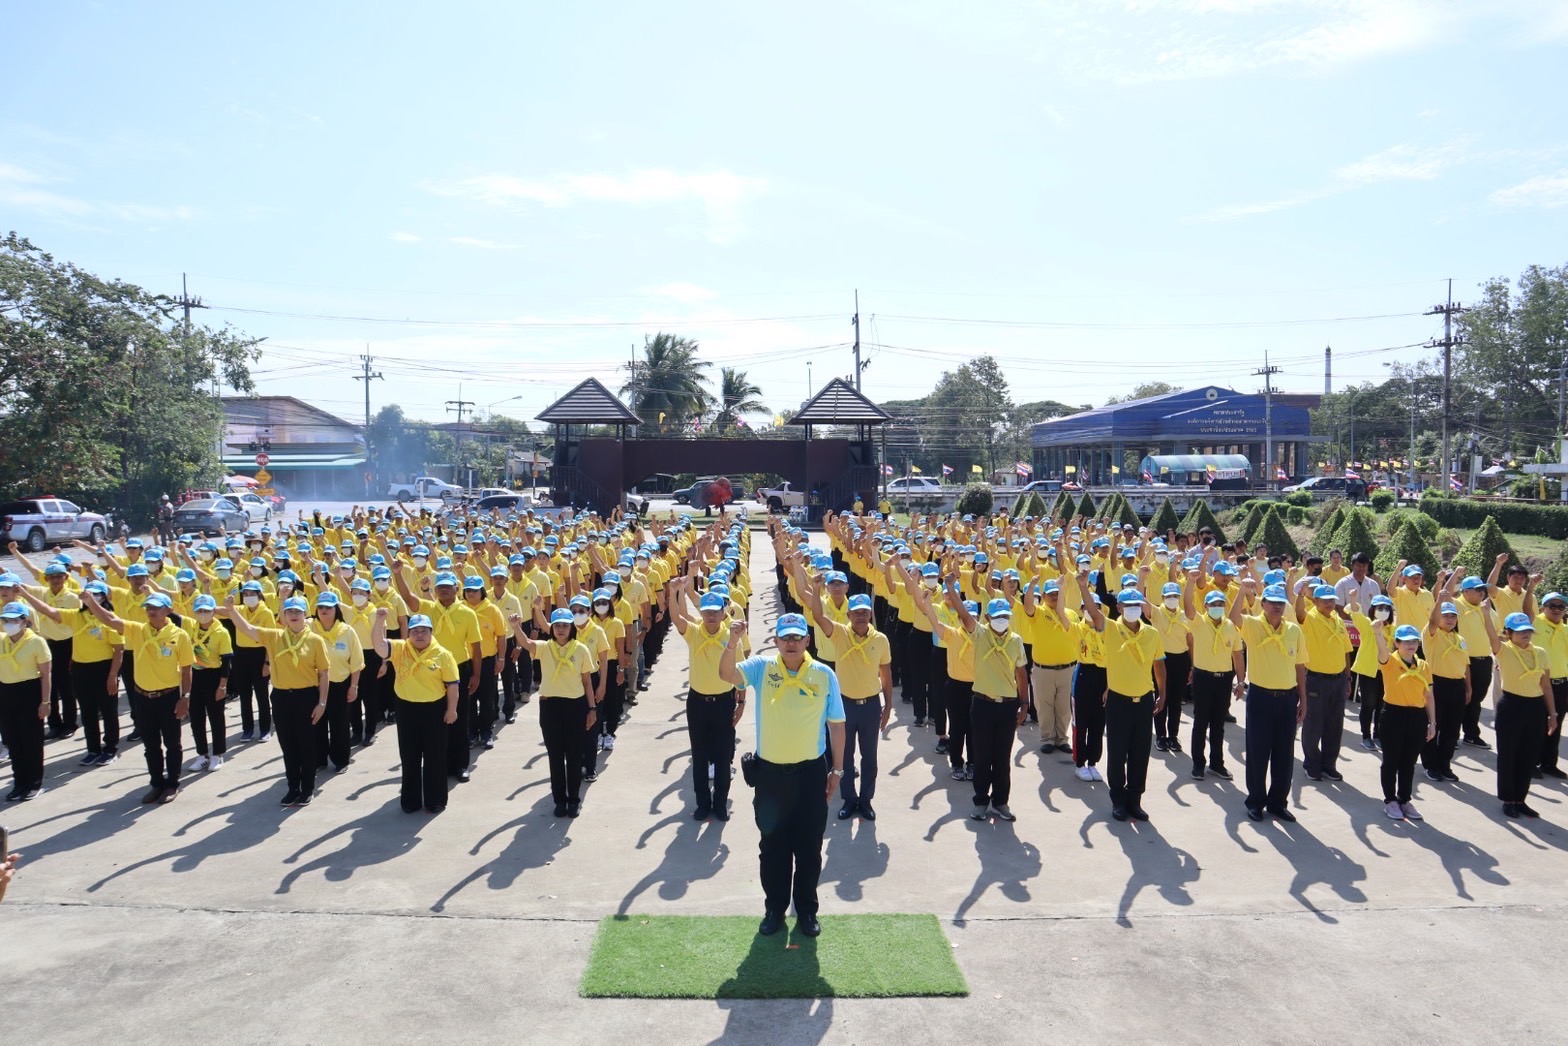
1394, 811
1096, 774
712, 772
198, 764
264, 737
1410, 812
602, 739
1085, 773
609, 742
215, 763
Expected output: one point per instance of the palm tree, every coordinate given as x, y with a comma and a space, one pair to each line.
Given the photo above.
737, 396
666, 386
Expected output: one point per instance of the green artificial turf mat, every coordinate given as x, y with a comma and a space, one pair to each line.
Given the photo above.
724, 957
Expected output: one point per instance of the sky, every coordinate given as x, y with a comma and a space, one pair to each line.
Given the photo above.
496, 200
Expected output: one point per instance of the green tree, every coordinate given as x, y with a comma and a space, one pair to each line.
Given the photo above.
1514, 339
1200, 516
398, 447
1323, 540
1478, 554
737, 396
1086, 507
1064, 507
1251, 522
1272, 532
105, 396
975, 500
666, 386
1165, 518
1406, 545
1355, 534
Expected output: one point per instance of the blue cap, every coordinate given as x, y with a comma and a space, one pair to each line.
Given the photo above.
1448, 608
1129, 597
1275, 594
1407, 634
296, 603
1550, 596
711, 601
154, 555
561, 617
97, 588
580, 600
839, 577
981, 557
1050, 588
602, 595
15, 610
1274, 577
326, 599
58, 570
419, 621
1413, 570
998, 608
134, 570
1214, 598
1471, 582
187, 574
1170, 588
1128, 579
251, 586
498, 571
473, 581
1323, 592
1518, 623
930, 570
860, 602
446, 578
158, 599
790, 625
359, 584
382, 573
1382, 601
1224, 568
204, 603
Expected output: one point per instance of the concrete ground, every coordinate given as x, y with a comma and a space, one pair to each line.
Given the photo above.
223, 917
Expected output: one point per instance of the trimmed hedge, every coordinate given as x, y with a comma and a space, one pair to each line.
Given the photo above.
976, 499
1165, 518
1323, 540
1272, 533
1064, 507
1481, 551
1408, 546
1547, 521
1200, 516
1355, 535
1086, 507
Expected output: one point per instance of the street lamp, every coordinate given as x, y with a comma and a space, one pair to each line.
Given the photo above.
497, 403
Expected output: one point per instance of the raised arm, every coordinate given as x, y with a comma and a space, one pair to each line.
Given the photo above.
39, 605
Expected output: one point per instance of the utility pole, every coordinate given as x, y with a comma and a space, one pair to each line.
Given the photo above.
460, 406
1267, 372
188, 303
367, 377
1328, 370
1448, 311
858, 364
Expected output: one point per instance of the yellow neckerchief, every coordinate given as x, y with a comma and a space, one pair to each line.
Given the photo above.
150, 638
1453, 640
1131, 640
705, 639
1216, 626
1535, 662
997, 644
776, 674
291, 647
1412, 669
8, 646
857, 647
561, 657
202, 634
432, 652
330, 635
1271, 636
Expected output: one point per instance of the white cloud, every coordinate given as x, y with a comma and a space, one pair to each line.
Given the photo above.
720, 193
1545, 190
487, 245
404, 237
19, 188
685, 293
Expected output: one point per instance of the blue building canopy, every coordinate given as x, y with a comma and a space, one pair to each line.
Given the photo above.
1205, 416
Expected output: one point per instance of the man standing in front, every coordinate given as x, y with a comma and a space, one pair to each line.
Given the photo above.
1276, 699
799, 713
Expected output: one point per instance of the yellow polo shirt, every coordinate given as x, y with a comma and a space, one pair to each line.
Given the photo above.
455, 627
1172, 625
345, 656
1273, 653
1049, 642
705, 651
1365, 663
1472, 626
1447, 653
492, 625
1328, 641
22, 659
1521, 669
91, 640
209, 645
563, 668
159, 654
262, 617
996, 657
793, 708
1554, 640
422, 676
860, 661
960, 651
1506, 601
1213, 643
65, 600
827, 646
1405, 685
296, 658
1411, 608
1130, 657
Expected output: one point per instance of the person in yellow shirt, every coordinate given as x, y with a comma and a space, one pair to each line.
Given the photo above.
1412, 602
1176, 636
1448, 658
250, 679
163, 659
612, 680
1469, 598
1335, 568
1551, 634
24, 699
1135, 696
1053, 652
494, 632
1216, 668
1526, 711
427, 698
1329, 655
457, 630
1001, 687
346, 661
568, 707
1276, 699
1409, 717
95, 667
1368, 680
301, 676
56, 588
213, 651
865, 677
712, 706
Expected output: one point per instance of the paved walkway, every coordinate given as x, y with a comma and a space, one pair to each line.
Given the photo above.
223, 918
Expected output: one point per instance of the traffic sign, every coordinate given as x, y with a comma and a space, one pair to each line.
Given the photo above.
262, 460
262, 476
263, 492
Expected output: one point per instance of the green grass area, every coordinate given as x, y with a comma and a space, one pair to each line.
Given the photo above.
1536, 552
723, 957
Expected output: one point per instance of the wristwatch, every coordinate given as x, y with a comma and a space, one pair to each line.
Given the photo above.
836, 773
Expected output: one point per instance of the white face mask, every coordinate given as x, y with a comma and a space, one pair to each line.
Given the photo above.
12, 628
383, 584
207, 557
579, 619
929, 582
1171, 602
347, 573
419, 562
360, 599
999, 625
204, 618
251, 599
1216, 612
1380, 615
223, 575
1161, 558
1132, 612
256, 572
601, 609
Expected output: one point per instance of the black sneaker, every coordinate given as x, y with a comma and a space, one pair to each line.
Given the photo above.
1162, 744
305, 798
1220, 771
289, 798
1450, 776
941, 746
1174, 746
1476, 742
1314, 776
1197, 773
1335, 775
1554, 771
1283, 814
1510, 809
90, 759
1433, 775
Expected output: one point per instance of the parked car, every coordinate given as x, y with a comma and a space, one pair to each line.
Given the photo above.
506, 501
256, 508
1330, 487
913, 485
425, 487
781, 497
35, 522
1041, 486
209, 516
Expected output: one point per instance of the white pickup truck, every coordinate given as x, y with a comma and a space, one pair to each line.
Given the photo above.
781, 497
426, 487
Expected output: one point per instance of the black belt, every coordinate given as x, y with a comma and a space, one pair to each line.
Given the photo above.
1216, 675
1052, 668
1326, 675
172, 691
873, 697
1272, 690
695, 696
1560, 682
1134, 698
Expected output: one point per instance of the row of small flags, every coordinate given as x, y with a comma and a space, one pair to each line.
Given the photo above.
1022, 468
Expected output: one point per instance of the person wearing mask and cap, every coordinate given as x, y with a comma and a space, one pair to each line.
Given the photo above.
1053, 654
427, 697
1216, 666
1329, 656
713, 707
213, 651
567, 703
1276, 667
1409, 717
1475, 613
56, 589
612, 684
96, 653
1368, 680
163, 660
346, 660
1176, 640
457, 630
24, 699
1448, 659
1412, 601
250, 679
865, 677
800, 719
1551, 635
483, 707
1135, 697
997, 711
301, 678
1526, 711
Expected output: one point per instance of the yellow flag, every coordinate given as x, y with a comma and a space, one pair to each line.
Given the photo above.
1164, 469
977, 468
661, 417
778, 419
1072, 468
915, 469
1116, 470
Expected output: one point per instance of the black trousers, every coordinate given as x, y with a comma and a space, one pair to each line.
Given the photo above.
1088, 714
1271, 746
457, 738
154, 717
710, 727
1552, 742
862, 729
1404, 735
1448, 695
1129, 726
917, 668
791, 808
22, 731
332, 739
1369, 692
247, 682
206, 712
510, 687
365, 714
421, 747
936, 688
1178, 667
993, 725
1323, 731
1210, 702
562, 721
62, 694
614, 700
100, 709
484, 704
296, 734
960, 696
1520, 724
1480, 686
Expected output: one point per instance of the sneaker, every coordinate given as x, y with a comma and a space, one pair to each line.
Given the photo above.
489, 743
107, 758
969, 773
1220, 771
1197, 773
1450, 776
609, 742
1410, 812
1432, 775
1394, 811
1476, 742
920, 721
1001, 810
1369, 744
600, 742
133, 737
1313, 775
712, 772
511, 717
248, 735
958, 773
1097, 775
941, 746
199, 764
305, 798
590, 774
264, 736
1084, 773
1161, 744
34, 793
979, 812
289, 798
215, 763
1174, 746
1335, 775
91, 759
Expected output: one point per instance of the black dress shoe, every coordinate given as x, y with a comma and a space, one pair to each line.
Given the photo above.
1254, 814
1549, 771
1282, 813
464, 775
866, 811
560, 809
1510, 809
1138, 813
846, 811
722, 813
702, 813
1119, 812
1527, 810
808, 925
771, 924
1047, 748
1335, 775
